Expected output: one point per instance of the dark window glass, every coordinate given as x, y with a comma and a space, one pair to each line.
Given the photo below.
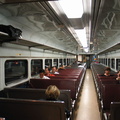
118, 64
36, 65
99, 60
15, 70
68, 61
60, 62
109, 62
103, 60
72, 60
48, 63
56, 62
106, 61
64, 62
113, 63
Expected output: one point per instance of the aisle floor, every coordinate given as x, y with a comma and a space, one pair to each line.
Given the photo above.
87, 106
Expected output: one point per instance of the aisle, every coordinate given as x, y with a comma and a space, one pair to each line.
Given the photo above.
87, 107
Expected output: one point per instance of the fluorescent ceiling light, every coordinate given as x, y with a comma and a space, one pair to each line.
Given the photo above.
81, 33
86, 49
82, 37
72, 8
91, 42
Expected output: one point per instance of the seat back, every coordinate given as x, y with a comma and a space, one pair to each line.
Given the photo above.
65, 84
101, 82
110, 93
16, 109
37, 94
115, 111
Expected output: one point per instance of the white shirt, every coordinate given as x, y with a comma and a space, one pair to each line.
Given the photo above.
56, 73
38, 77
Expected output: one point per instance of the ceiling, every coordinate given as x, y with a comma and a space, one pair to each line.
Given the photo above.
45, 25
106, 28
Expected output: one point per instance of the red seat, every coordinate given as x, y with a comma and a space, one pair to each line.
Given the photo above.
110, 93
37, 94
65, 84
18, 109
115, 111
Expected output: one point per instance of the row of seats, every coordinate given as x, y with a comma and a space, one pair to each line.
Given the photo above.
37, 94
19, 109
70, 79
25, 102
108, 90
22, 94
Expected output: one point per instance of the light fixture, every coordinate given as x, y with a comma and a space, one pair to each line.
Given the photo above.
86, 49
72, 8
81, 33
82, 36
91, 42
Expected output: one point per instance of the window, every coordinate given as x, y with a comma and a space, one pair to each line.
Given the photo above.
118, 64
55, 62
15, 70
113, 63
73, 60
60, 62
100, 60
109, 62
36, 65
48, 63
68, 61
106, 61
64, 61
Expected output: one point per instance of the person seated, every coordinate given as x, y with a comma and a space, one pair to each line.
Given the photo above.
62, 67
41, 75
52, 94
118, 75
54, 70
47, 72
69, 65
107, 71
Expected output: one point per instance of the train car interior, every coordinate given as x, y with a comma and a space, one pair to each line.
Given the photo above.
79, 39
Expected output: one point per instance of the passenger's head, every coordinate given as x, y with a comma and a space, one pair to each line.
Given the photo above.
41, 73
52, 92
63, 66
118, 73
107, 70
54, 69
47, 70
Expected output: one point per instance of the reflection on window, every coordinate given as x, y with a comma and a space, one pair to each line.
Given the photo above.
118, 64
99, 60
48, 63
113, 63
73, 60
68, 61
60, 62
106, 61
64, 62
15, 70
103, 60
36, 65
109, 62
55, 62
